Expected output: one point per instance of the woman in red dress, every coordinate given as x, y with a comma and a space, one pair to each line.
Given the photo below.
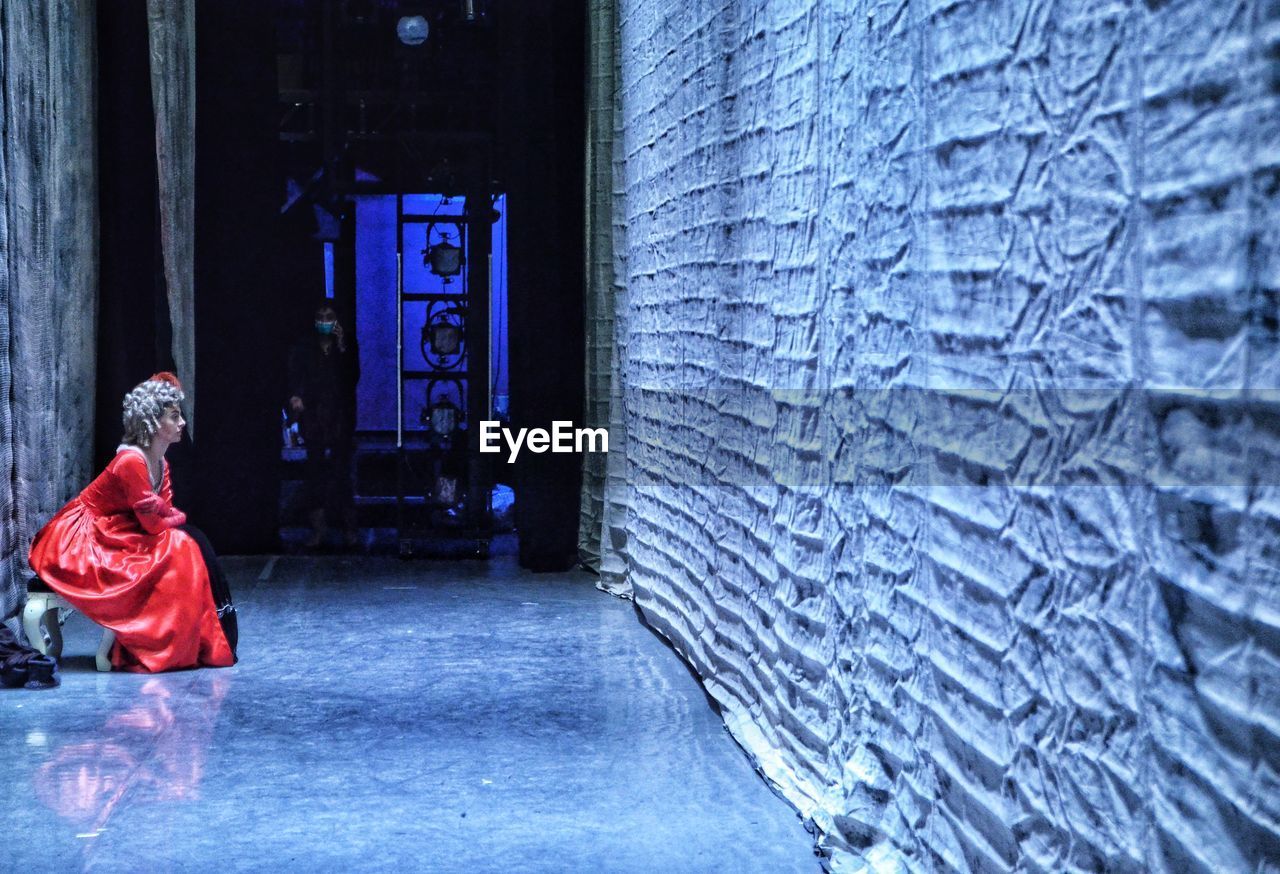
123, 555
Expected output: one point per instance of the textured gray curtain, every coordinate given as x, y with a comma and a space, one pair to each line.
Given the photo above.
954, 445
172, 37
601, 535
601, 111
48, 268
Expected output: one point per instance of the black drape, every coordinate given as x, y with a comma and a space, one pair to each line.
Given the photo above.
227, 480
241, 336
540, 156
133, 315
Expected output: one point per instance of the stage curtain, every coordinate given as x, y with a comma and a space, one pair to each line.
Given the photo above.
48, 269
951, 384
172, 37
601, 532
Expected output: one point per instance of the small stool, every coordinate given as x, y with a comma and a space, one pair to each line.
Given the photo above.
46, 636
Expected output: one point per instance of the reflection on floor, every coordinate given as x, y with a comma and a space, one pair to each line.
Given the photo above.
386, 541
385, 715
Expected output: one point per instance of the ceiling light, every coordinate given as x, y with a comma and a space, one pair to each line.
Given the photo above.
412, 30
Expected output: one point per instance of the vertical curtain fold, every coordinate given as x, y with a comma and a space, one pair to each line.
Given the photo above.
602, 536
598, 322
171, 34
48, 268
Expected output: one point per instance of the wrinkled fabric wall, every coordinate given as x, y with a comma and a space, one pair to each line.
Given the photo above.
171, 33
602, 532
598, 323
48, 268
923, 306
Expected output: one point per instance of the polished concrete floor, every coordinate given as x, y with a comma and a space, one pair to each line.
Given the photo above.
388, 715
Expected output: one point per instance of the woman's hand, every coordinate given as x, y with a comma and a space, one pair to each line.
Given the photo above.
156, 514
338, 335
150, 505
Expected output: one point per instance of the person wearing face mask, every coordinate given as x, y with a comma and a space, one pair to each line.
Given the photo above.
121, 553
324, 368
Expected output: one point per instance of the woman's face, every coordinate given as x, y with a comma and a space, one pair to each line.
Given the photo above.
171, 425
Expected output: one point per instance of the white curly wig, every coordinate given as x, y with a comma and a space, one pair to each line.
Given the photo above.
144, 406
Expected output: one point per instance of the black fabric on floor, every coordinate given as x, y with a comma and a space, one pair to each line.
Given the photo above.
20, 665
218, 586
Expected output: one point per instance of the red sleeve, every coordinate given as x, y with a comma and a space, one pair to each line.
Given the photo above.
166, 485
176, 517
154, 513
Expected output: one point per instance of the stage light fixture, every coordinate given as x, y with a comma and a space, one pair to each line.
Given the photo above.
412, 30
443, 416
440, 254
444, 338
445, 259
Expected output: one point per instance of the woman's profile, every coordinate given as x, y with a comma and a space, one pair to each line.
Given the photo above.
122, 553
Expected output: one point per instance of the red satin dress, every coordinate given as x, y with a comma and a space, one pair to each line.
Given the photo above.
115, 553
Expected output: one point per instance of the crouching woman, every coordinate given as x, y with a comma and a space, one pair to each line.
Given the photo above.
123, 555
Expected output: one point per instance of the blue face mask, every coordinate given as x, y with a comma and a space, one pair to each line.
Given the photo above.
325, 327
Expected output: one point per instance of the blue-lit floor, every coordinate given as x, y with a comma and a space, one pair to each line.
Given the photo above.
389, 715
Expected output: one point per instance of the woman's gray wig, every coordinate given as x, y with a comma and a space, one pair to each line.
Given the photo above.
143, 408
